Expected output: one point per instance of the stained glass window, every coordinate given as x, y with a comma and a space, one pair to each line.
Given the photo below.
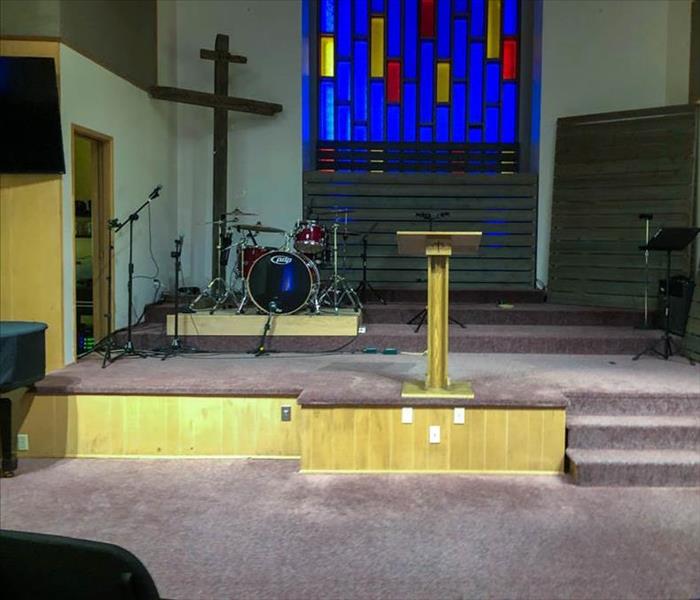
412, 80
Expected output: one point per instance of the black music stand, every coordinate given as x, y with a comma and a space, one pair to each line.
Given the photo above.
667, 239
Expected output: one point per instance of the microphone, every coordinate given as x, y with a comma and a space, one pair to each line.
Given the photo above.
156, 192
272, 306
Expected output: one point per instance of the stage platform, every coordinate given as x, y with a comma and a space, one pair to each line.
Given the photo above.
629, 423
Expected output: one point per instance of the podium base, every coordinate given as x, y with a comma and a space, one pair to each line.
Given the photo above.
456, 390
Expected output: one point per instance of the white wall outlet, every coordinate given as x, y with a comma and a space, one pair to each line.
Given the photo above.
434, 434
362, 329
407, 415
22, 442
459, 415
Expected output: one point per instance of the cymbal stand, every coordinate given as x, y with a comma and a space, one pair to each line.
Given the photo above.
216, 288
338, 289
423, 314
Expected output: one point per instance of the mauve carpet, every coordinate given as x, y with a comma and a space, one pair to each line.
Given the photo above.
219, 529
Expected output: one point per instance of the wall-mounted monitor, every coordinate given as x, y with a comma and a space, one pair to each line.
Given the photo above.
30, 120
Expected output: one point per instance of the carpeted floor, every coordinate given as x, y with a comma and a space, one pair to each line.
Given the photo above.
239, 529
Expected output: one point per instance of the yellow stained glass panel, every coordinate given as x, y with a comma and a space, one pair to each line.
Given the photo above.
327, 56
443, 82
377, 47
493, 32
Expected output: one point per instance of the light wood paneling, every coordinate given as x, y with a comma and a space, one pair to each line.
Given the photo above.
93, 425
223, 322
503, 207
498, 440
609, 169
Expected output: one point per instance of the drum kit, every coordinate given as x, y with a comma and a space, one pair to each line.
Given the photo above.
284, 279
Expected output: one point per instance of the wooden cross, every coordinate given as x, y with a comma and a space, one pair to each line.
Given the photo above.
221, 102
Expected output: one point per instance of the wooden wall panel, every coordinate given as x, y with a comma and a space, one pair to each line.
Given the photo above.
504, 440
609, 168
691, 341
111, 425
503, 207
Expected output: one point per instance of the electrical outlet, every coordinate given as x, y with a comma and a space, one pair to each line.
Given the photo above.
362, 329
22, 442
407, 415
459, 415
434, 434
286, 413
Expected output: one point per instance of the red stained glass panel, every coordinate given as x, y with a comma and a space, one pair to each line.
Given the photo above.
510, 60
393, 82
427, 18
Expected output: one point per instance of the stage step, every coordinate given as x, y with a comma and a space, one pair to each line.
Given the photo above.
631, 404
634, 432
533, 339
649, 468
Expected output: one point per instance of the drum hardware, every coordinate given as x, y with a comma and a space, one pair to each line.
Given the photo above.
421, 315
261, 349
258, 228
338, 289
365, 285
176, 346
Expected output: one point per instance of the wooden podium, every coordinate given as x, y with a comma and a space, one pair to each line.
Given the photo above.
438, 246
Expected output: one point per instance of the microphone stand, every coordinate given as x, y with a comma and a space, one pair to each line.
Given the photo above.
647, 217
261, 350
127, 350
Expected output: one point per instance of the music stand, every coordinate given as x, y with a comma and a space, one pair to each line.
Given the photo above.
667, 239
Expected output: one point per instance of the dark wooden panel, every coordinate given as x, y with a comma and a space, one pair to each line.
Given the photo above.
691, 341
503, 207
609, 168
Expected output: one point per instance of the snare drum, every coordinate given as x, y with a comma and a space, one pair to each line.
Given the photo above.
288, 279
247, 255
309, 237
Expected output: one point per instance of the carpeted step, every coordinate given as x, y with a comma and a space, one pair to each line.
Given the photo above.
649, 468
639, 404
486, 295
633, 432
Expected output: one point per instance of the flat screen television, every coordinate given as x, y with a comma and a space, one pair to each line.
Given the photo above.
30, 120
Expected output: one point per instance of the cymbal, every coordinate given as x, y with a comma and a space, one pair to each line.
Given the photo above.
259, 228
237, 212
219, 222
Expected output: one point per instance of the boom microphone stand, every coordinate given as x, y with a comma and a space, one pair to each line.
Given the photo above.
127, 350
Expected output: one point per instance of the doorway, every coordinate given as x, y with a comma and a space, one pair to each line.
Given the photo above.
92, 209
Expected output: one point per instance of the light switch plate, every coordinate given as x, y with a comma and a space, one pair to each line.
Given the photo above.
407, 415
434, 434
22, 442
459, 415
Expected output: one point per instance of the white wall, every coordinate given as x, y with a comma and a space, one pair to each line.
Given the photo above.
605, 55
145, 143
265, 159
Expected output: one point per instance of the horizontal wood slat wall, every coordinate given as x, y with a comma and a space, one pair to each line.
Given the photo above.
610, 168
503, 207
691, 341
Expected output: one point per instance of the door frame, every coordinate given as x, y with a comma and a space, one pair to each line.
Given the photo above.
103, 163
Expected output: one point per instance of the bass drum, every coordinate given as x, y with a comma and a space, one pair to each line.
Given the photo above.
288, 279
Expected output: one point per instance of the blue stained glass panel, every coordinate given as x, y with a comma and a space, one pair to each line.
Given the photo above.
344, 28
442, 124
460, 6
443, 28
343, 78
509, 111
393, 123
477, 18
377, 6
426, 82
376, 118
410, 38
394, 29
343, 131
327, 111
426, 134
459, 112
360, 64
475, 135
493, 76
491, 128
510, 17
327, 16
459, 57
361, 17
476, 61
359, 133
409, 112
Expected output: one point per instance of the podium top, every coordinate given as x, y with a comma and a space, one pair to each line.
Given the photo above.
415, 242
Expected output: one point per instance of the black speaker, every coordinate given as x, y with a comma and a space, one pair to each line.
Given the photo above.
681, 297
